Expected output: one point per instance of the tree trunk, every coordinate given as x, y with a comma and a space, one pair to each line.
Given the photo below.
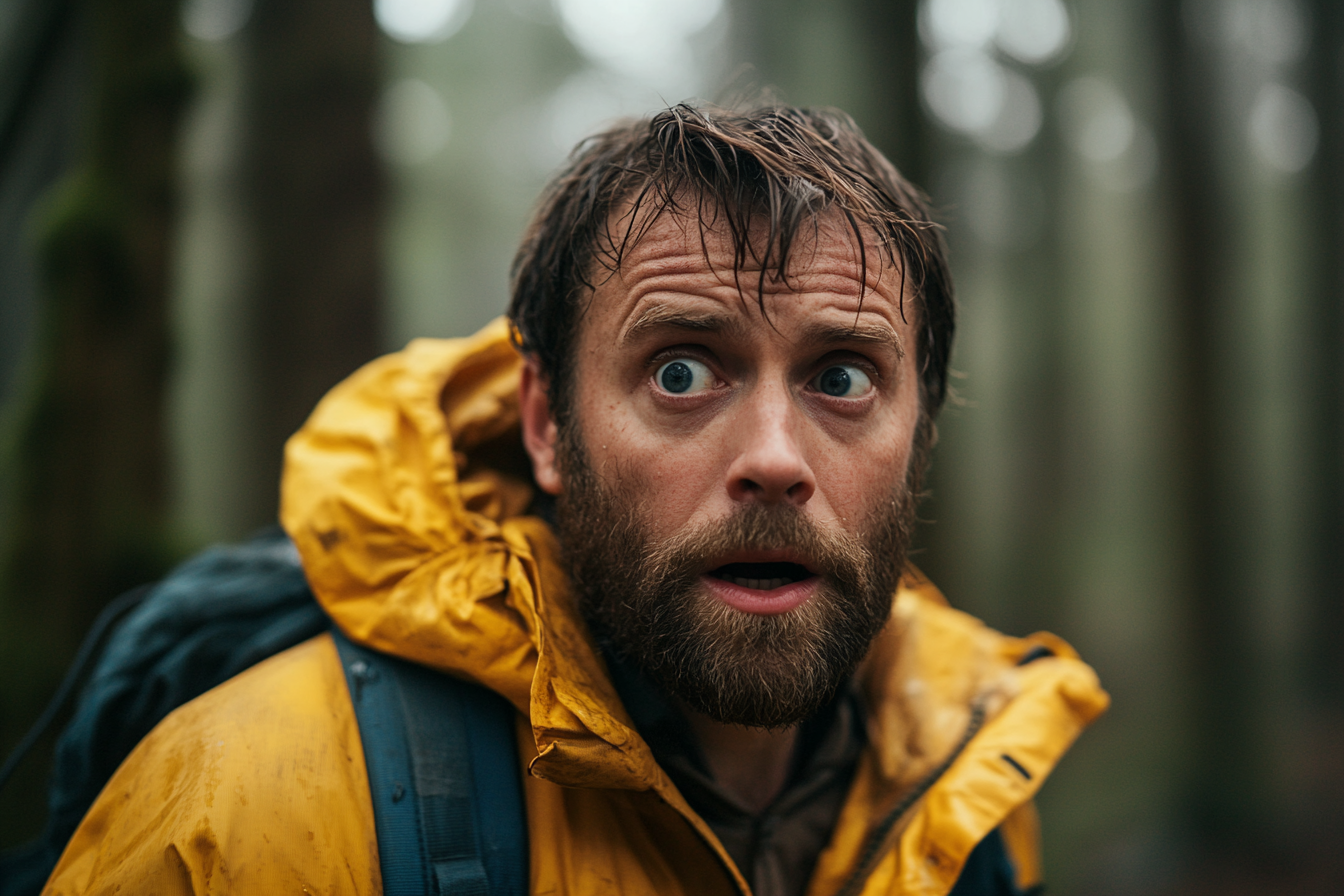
316, 192
89, 471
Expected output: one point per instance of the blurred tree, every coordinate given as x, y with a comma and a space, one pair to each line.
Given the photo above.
316, 192
1324, 660
1262, 516
1327, 370
862, 55
88, 457
891, 46
41, 86
90, 472
1214, 625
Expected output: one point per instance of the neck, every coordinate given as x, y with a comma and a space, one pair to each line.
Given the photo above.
751, 764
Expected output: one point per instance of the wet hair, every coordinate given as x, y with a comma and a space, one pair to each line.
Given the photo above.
764, 176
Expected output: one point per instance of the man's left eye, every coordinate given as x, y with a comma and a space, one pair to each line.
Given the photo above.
843, 381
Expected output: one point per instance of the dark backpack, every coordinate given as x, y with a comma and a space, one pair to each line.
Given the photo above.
440, 752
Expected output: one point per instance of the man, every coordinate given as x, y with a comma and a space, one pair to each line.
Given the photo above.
728, 341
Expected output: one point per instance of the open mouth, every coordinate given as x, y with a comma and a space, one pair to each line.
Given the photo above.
761, 576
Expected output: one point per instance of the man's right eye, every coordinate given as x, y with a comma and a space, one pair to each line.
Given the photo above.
683, 376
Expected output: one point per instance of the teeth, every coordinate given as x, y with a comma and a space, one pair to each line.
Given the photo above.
758, 584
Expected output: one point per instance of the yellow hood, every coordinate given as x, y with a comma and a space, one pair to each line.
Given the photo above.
404, 493
417, 548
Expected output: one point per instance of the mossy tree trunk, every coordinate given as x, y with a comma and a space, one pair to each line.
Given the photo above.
316, 193
88, 455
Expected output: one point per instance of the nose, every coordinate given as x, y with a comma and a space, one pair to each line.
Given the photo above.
769, 465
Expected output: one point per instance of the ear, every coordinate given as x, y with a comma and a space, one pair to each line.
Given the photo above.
539, 432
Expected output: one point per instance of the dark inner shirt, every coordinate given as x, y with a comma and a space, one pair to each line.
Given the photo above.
776, 849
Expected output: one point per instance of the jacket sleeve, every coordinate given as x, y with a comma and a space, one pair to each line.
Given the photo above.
257, 786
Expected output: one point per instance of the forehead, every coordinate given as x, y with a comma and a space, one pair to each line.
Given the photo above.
673, 259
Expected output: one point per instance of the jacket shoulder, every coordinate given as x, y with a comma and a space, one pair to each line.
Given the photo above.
258, 785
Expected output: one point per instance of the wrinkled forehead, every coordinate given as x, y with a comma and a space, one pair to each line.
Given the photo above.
752, 248
681, 272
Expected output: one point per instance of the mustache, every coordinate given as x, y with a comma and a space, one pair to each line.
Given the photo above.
761, 527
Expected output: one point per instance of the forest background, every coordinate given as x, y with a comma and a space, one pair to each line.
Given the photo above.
213, 210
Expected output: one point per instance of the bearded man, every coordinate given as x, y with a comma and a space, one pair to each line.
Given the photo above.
663, 510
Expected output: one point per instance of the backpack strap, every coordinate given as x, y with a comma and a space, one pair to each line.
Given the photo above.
444, 776
989, 872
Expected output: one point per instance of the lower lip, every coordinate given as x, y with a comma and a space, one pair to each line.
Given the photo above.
762, 603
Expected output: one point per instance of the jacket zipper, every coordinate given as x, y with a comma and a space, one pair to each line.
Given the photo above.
873, 849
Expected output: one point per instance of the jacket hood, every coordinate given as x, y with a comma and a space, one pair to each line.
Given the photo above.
406, 492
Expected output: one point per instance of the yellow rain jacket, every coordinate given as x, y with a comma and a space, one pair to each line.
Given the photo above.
404, 493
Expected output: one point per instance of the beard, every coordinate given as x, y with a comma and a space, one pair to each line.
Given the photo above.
643, 598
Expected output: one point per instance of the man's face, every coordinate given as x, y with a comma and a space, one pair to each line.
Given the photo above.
735, 492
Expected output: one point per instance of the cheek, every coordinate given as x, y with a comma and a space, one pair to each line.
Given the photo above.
853, 474
850, 480
672, 479
621, 445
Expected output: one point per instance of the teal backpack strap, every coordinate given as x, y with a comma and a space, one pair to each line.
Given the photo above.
444, 776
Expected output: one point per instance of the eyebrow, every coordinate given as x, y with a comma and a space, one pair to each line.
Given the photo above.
862, 334
663, 316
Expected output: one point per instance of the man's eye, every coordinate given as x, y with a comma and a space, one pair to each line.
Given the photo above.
843, 381
683, 375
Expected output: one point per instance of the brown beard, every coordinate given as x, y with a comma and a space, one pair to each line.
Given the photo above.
644, 601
